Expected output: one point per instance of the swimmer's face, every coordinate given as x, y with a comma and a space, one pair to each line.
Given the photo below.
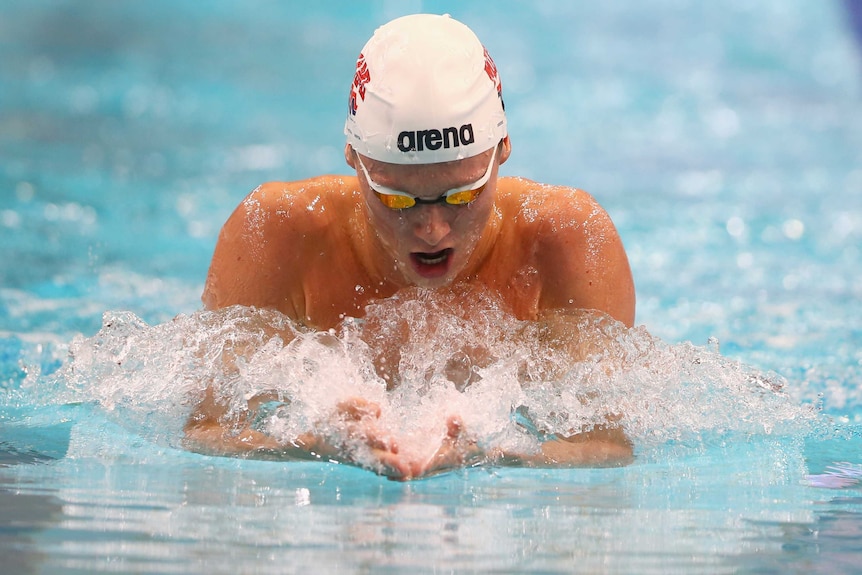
432, 242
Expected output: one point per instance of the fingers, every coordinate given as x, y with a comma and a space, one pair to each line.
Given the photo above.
398, 468
356, 422
359, 417
374, 438
454, 427
378, 450
456, 449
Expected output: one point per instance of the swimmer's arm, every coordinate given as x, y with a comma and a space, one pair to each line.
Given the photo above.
209, 431
601, 447
581, 336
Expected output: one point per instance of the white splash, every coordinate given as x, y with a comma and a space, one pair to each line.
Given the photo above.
422, 356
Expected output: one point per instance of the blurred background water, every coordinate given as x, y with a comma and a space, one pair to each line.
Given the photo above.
725, 140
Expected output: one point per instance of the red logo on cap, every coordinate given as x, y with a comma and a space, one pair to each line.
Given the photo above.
362, 77
491, 70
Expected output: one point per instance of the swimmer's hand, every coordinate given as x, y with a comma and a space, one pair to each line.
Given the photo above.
605, 446
210, 430
360, 441
456, 450
365, 444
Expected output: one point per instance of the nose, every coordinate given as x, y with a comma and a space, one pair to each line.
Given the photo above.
432, 224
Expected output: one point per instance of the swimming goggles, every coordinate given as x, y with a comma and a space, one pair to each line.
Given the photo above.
398, 200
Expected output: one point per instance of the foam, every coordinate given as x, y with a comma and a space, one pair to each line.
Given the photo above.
449, 353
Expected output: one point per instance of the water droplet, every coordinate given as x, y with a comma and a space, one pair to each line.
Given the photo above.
712, 344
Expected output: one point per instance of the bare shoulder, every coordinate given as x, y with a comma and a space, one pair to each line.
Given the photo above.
557, 213
276, 214
267, 237
301, 202
578, 252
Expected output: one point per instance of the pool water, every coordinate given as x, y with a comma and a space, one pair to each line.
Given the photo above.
724, 139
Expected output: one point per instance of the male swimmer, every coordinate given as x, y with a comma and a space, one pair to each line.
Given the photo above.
426, 133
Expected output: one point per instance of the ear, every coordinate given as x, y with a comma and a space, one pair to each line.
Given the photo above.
350, 156
505, 150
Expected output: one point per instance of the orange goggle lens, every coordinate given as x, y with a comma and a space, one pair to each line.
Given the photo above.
399, 202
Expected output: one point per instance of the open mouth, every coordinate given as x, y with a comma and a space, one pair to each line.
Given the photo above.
431, 265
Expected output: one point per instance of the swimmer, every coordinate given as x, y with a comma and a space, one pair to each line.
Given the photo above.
424, 208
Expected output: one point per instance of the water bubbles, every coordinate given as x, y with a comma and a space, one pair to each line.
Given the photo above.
713, 344
69, 212
700, 183
723, 122
793, 229
845, 224
302, 497
25, 191
185, 204
257, 157
745, 260
419, 358
10, 219
83, 99
735, 226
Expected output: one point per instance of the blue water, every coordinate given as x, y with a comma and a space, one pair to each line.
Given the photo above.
725, 140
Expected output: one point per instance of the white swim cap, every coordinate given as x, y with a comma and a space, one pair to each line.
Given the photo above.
425, 91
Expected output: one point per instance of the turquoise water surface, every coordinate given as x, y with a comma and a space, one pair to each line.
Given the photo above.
725, 140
